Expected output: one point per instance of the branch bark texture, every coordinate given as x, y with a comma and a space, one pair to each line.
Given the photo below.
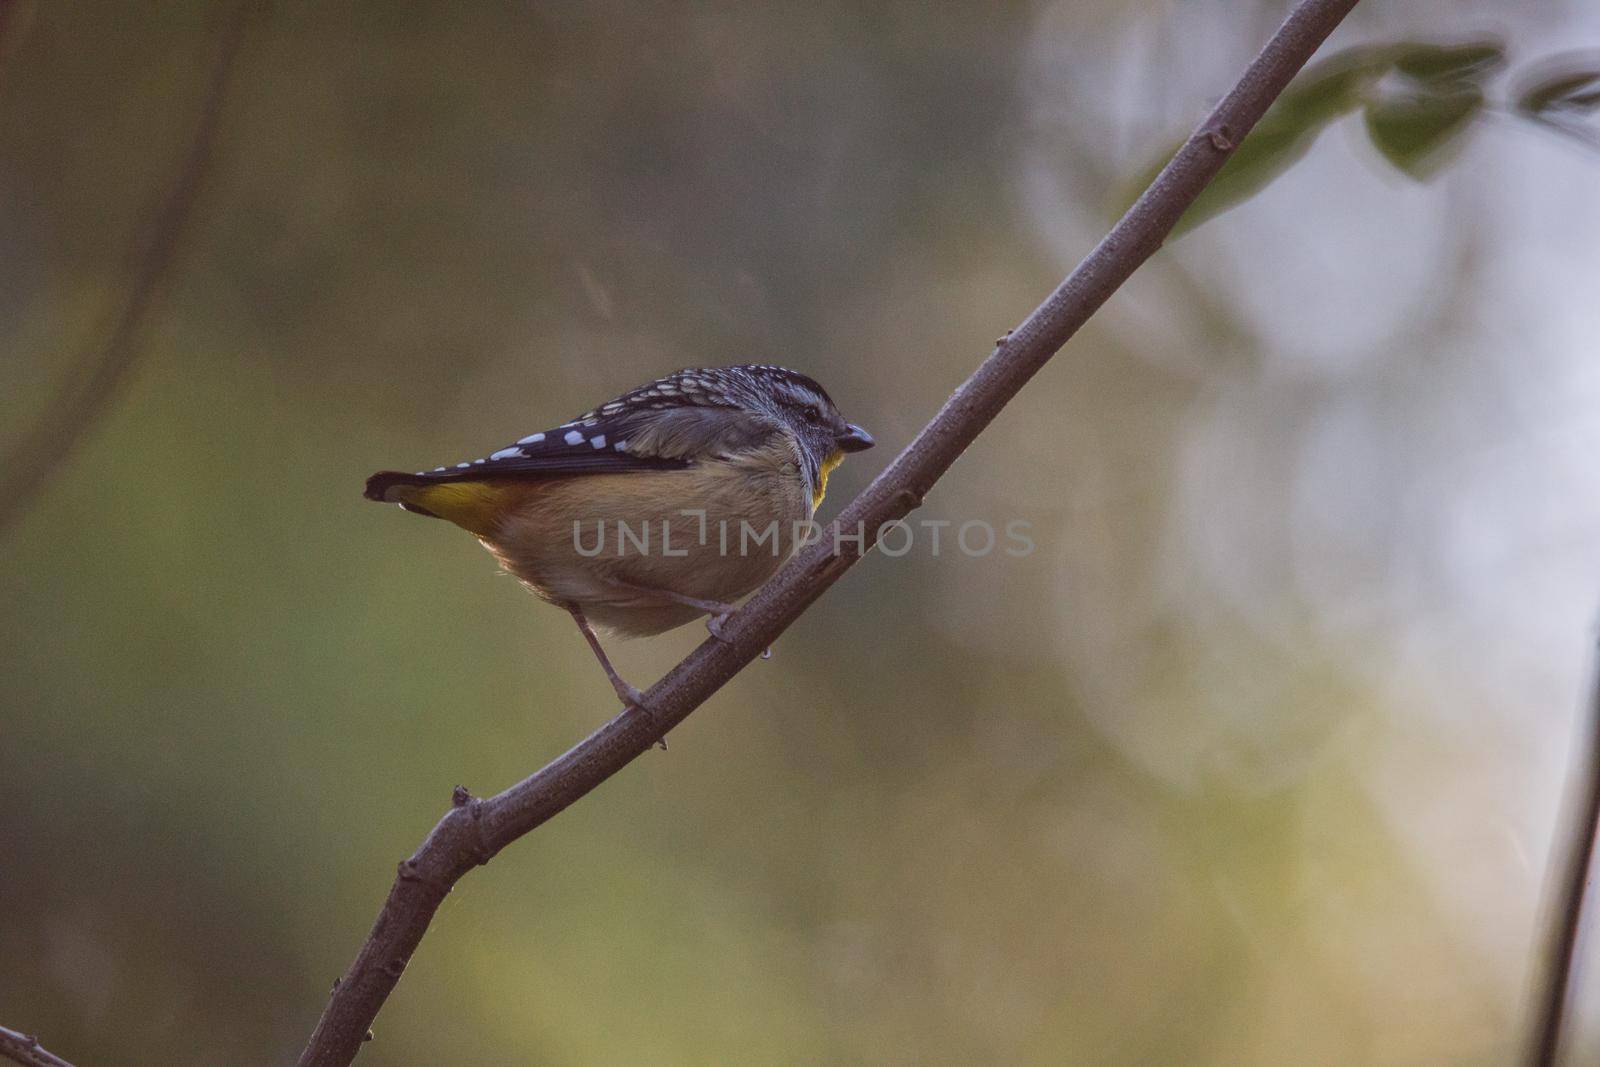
475, 829
26, 1050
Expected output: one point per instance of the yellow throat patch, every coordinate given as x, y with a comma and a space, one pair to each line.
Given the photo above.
822, 477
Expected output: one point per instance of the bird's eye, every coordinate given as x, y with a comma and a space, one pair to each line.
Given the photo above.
811, 413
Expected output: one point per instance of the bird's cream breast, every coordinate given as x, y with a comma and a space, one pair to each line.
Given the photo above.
713, 531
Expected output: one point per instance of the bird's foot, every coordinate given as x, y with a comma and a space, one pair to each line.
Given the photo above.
630, 696
634, 700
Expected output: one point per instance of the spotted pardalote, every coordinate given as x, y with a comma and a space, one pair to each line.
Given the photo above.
638, 516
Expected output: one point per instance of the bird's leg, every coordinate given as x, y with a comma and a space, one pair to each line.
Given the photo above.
629, 696
718, 610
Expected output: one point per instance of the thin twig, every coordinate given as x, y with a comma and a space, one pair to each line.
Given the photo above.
474, 830
26, 1050
45, 448
1572, 885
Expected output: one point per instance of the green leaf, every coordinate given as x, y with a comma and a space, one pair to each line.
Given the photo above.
1571, 92
1414, 130
1466, 62
1262, 156
1285, 133
1331, 88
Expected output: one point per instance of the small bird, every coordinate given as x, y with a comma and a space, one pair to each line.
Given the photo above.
668, 503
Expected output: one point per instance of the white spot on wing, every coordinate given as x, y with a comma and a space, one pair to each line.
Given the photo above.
573, 437
506, 453
598, 440
531, 439
460, 465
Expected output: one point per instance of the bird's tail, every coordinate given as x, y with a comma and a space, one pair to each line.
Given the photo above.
390, 487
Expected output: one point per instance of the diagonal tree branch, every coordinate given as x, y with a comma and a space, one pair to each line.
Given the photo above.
1573, 874
474, 830
45, 448
26, 1050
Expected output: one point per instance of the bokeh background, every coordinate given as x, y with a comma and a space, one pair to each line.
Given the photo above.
1255, 760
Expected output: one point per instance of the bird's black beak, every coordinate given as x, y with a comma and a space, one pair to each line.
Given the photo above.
854, 439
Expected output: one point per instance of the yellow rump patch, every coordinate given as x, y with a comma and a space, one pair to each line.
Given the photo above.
474, 506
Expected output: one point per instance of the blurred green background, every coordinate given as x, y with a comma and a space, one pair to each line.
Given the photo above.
1255, 760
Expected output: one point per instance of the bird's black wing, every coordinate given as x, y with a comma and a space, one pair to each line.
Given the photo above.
655, 427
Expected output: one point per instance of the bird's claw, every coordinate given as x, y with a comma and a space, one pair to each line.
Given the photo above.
634, 700
632, 697
714, 624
